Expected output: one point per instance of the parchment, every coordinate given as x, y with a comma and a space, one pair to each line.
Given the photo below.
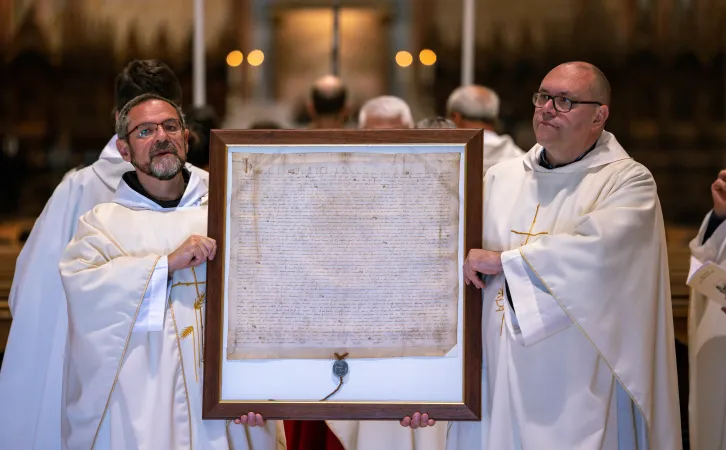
343, 252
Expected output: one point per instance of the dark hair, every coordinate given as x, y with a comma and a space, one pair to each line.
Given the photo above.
149, 76
329, 103
201, 120
265, 125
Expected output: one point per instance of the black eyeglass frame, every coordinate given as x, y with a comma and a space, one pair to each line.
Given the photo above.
554, 98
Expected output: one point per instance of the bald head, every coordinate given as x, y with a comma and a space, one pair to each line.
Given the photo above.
598, 84
575, 110
328, 96
473, 106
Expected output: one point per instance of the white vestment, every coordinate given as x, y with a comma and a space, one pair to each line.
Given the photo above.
498, 148
707, 352
586, 360
30, 380
380, 435
133, 370
387, 435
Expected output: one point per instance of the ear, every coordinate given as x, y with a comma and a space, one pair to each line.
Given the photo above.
456, 118
186, 140
123, 147
601, 116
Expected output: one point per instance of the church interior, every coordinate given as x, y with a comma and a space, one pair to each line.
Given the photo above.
665, 60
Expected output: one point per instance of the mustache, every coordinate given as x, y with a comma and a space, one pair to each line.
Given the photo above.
162, 147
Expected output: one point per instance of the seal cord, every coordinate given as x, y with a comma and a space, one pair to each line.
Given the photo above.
340, 369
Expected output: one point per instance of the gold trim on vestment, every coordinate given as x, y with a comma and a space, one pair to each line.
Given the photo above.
647, 428
184, 376
123, 353
199, 303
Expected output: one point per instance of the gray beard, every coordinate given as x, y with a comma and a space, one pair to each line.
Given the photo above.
164, 167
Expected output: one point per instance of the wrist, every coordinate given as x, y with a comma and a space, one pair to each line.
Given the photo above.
171, 264
498, 261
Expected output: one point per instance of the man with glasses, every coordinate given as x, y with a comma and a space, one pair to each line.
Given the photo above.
578, 333
134, 278
30, 380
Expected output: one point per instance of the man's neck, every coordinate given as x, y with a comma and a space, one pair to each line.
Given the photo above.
164, 190
328, 123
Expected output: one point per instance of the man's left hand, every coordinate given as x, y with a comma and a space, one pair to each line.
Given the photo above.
251, 419
418, 420
481, 261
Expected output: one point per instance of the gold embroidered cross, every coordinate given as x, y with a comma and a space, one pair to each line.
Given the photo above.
529, 234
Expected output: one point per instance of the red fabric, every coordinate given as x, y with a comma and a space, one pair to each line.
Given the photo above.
310, 435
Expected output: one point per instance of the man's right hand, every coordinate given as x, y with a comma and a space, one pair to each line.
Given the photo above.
193, 252
481, 261
718, 191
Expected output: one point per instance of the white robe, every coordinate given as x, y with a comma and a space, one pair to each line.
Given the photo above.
387, 435
134, 382
498, 148
30, 380
587, 359
707, 352
380, 435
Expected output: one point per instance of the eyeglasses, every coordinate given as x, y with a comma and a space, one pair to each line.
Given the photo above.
145, 130
561, 104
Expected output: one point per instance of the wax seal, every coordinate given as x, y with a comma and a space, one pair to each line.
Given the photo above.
340, 368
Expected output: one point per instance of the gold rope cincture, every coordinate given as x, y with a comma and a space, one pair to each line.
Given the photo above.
198, 334
340, 370
199, 303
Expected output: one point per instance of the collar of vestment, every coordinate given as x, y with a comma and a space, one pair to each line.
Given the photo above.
548, 165
131, 193
607, 150
110, 166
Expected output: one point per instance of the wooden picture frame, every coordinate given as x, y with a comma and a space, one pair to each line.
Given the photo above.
215, 406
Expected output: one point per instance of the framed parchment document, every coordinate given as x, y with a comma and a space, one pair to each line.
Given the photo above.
337, 290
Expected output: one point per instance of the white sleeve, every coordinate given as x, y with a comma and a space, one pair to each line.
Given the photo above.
151, 311
536, 314
714, 248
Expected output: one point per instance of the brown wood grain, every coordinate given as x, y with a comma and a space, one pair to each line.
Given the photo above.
215, 273
213, 408
473, 205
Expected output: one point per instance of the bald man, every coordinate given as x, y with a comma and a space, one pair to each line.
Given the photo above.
577, 325
477, 106
327, 105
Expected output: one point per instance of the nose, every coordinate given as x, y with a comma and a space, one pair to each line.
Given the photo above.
161, 134
549, 107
